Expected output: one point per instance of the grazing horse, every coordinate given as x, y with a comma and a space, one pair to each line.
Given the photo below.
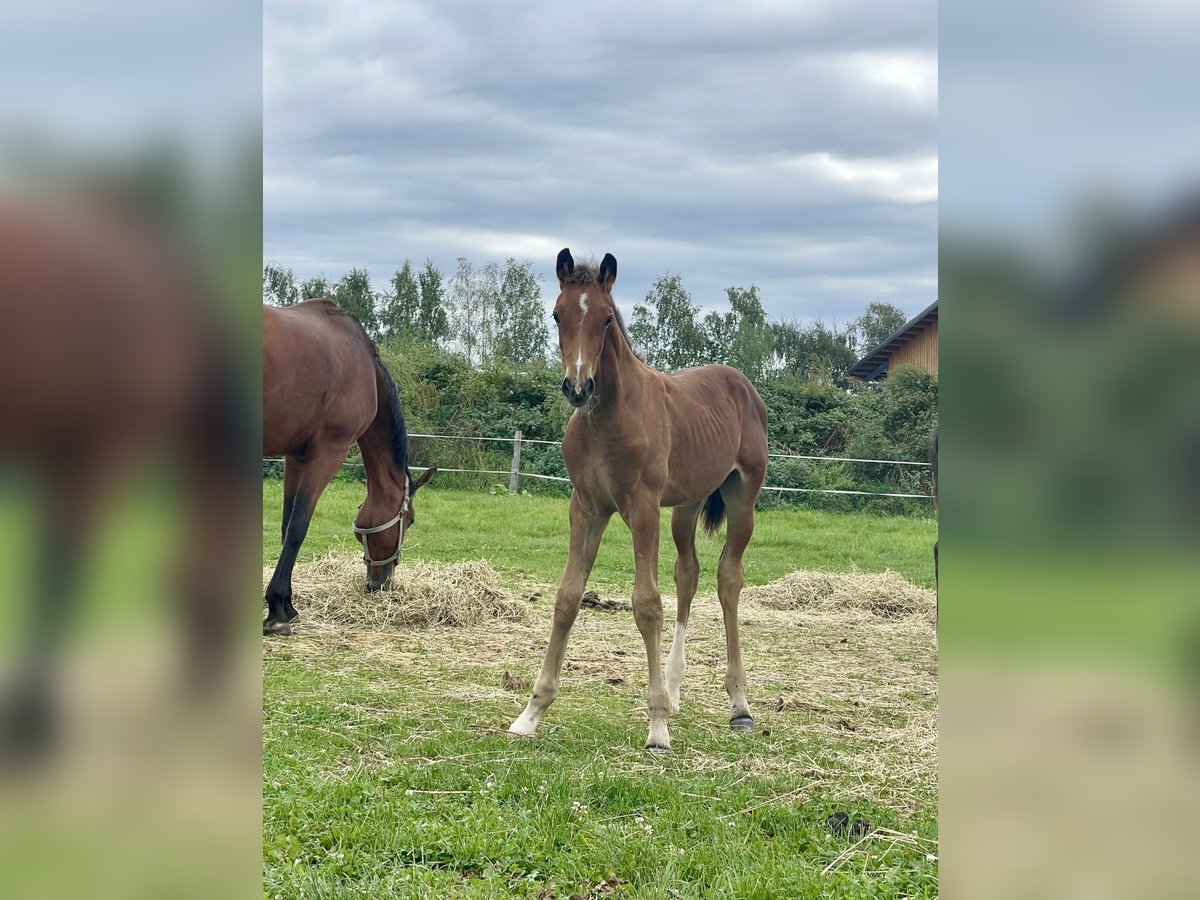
640, 440
325, 388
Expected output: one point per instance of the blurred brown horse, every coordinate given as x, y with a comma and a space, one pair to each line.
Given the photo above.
115, 361
640, 440
325, 388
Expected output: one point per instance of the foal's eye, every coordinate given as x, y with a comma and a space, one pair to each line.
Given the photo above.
608, 321
554, 316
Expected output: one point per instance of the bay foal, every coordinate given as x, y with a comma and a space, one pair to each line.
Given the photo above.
640, 440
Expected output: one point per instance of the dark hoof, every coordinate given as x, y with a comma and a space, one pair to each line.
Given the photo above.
657, 750
270, 628
838, 823
742, 723
28, 730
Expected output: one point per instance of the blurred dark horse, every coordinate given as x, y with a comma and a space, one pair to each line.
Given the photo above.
933, 473
325, 388
113, 357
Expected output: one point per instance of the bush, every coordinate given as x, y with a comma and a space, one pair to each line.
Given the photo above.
443, 395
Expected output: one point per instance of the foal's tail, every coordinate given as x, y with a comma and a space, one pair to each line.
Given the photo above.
714, 512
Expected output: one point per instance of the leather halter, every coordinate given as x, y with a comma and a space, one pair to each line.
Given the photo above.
375, 529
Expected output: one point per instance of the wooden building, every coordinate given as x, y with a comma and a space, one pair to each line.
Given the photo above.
914, 344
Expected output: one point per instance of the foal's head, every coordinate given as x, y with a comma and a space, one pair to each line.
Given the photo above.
584, 313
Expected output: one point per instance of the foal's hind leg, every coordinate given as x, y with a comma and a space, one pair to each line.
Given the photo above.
739, 498
687, 576
587, 528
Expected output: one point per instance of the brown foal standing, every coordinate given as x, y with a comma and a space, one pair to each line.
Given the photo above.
640, 440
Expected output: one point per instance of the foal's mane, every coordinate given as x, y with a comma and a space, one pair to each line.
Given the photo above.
587, 272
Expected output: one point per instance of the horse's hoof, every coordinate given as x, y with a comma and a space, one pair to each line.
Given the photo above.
658, 750
273, 628
29, 730
742, 723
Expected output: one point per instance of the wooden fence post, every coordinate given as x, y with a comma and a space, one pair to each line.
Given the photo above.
514, 473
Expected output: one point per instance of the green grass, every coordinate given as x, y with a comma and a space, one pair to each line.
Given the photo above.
527, 537
387, 772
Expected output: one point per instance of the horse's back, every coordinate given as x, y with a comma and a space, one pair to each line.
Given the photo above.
104, 332
318, 376
721, 390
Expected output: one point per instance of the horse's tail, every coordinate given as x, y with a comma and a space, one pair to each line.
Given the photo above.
714, 512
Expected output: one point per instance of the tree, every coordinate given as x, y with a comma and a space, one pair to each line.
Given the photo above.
433, 325
464, 305
318, 286
488, 292
521, 333
665, 327
876, 325
279, 286
401, 308
353, 294
741, 337
816, 351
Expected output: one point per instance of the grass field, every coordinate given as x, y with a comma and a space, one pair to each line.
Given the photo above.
387, 771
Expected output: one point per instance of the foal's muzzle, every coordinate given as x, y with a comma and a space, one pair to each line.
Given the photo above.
578, 392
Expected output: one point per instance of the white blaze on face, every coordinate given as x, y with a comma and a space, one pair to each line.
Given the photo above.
583, 306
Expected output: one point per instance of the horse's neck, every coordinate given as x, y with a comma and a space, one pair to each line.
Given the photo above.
385, 480
621, 382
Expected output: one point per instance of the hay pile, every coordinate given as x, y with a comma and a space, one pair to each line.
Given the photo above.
886, 595
332, 591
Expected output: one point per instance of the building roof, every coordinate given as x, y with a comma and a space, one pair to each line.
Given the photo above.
874, 362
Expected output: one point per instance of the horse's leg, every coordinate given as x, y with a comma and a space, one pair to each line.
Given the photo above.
77, 490
291, 484
739, 498
687, 576
313, 476
936, 604
586, 531
643, 519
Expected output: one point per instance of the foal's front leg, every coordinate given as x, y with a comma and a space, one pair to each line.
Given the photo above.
587, 529
647, 612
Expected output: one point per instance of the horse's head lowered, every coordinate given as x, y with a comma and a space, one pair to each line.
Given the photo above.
584, 313
382, 543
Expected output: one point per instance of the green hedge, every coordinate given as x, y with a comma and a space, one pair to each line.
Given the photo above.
443, 395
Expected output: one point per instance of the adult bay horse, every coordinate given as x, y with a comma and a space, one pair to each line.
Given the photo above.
640, 440
325, 388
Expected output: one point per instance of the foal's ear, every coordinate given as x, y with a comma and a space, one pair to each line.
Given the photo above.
565, 265
608, 271
425, 476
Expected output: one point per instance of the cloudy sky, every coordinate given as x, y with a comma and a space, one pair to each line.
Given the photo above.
789, 145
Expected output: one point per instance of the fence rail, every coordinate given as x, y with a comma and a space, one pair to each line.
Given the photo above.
514, 472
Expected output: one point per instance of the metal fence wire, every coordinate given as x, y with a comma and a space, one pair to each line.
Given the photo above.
515, 474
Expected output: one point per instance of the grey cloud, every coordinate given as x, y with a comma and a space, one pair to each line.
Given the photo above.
788, 145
